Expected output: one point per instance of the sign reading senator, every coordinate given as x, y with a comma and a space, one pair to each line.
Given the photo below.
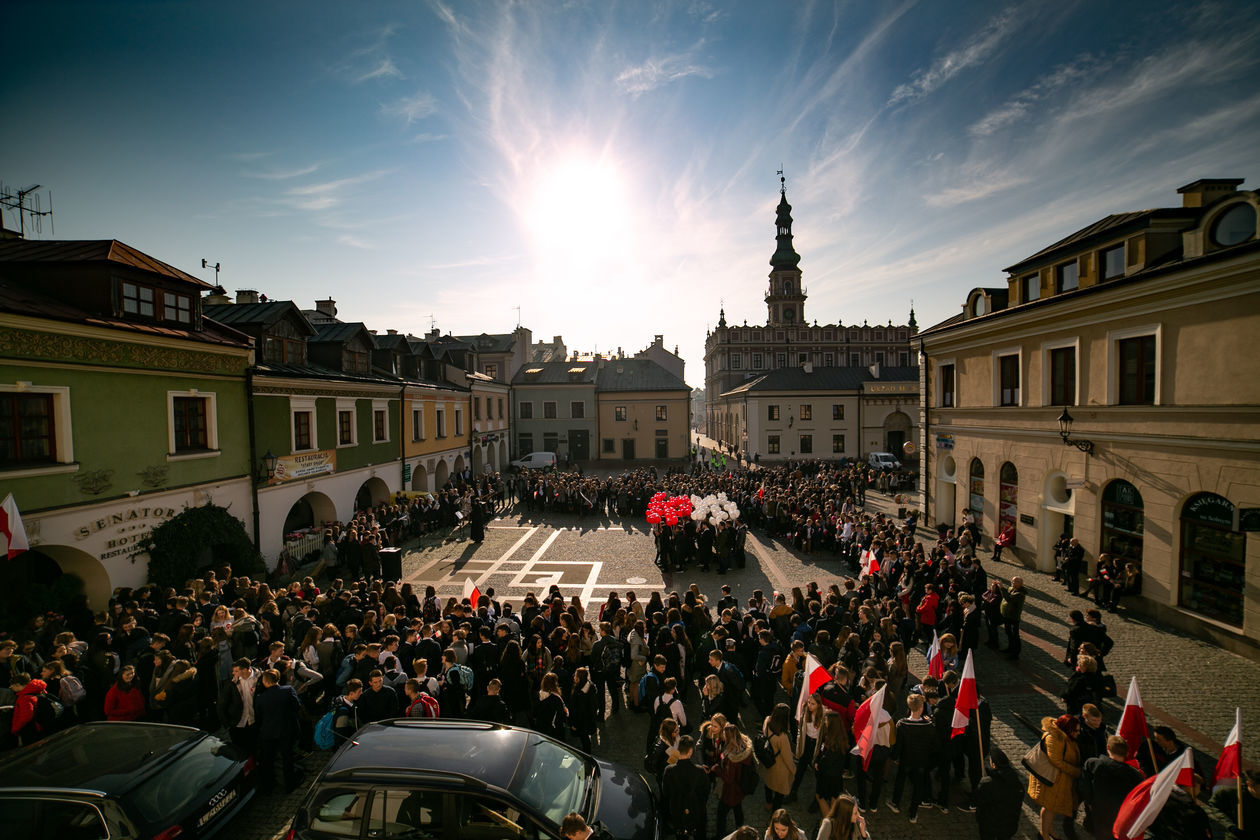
304, 465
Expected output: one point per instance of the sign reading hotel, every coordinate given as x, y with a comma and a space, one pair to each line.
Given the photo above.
125, 530
304, 465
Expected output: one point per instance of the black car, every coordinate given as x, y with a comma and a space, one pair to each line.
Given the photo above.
467, 780
123, 780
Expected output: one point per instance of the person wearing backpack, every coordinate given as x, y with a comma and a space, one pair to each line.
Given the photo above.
666, 706
778, 777
651, 684
420, 704
767, 671
736, 772
685, 792
25, 727
606, 654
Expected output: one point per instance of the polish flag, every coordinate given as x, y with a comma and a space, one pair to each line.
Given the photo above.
1229, 765
866, 724
936, 662
967, 700
471, 592
816, 677
11, 527
1144, 802
1132, 726
870, 565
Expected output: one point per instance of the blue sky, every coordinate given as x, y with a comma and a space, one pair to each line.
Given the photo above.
611, 167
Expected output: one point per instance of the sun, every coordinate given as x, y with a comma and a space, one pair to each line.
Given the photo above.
579, 216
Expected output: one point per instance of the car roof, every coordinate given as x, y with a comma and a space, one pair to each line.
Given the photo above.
486, 752
103, 757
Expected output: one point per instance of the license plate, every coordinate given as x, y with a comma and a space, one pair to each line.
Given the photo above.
221, 800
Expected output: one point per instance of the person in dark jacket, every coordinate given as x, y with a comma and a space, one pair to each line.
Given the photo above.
685, 792
583, 711
181, 694
379, 701
276, 708
551, 716
1105, 782
915, 751
999, 799
491, 706
1084, 686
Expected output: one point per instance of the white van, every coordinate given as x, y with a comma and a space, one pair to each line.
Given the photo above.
536, 461
883, 461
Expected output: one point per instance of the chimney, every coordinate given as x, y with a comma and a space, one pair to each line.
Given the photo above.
217, 297
392, 332
659, 340
246, 296
1206, 191
327, 307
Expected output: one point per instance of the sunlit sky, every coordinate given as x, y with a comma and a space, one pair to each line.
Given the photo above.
610, 168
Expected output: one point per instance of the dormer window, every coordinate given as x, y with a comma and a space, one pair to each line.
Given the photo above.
1030, 288
176, 307
1235, 225
1112, 260
979, 306
1066, 277
137, 300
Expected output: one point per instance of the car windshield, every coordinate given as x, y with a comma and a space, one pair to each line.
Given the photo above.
169, 793
553, 780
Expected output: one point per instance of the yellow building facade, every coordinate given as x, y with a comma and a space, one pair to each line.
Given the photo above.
1108, 391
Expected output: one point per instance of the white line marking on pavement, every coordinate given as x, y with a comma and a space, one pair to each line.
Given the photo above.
588, 591
505, 555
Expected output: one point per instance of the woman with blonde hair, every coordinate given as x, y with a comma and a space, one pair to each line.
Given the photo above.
844, 821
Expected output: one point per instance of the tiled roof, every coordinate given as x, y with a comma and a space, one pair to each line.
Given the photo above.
637, 375
339, 331
19, 299
490, 343
824, 379
555, 373
92, 250
265, 314
1105, 228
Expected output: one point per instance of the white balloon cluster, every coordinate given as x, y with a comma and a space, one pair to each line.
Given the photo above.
716, 509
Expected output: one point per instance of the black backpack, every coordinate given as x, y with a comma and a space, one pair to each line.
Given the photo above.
49, 712
763, 750
610, 656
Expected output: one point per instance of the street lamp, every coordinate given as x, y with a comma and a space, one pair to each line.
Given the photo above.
269, 464
1065, 432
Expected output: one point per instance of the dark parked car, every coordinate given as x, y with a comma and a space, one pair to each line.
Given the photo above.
466, 780
123, 780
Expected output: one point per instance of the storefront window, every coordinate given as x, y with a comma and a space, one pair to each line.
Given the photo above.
1122, 523
1008, 494
1213, 559
976, 489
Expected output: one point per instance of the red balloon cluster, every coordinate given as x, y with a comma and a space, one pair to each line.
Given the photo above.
668, 509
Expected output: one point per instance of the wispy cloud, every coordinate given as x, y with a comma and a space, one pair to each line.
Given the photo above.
355, 242
283, 174
1015, 109
409, 109
662, 70
372, 60
325, 195
979, 48
976, 183
428, 137
249, 157
385, 68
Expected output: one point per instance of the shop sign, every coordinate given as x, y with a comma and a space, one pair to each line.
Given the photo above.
124, 531
944, 441
304, 465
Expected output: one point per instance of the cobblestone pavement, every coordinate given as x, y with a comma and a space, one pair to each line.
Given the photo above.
1185, 683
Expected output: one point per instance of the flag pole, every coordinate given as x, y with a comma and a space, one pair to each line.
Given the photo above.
1238, 783
1154, 761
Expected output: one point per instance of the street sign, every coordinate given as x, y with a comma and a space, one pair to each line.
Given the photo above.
406, 472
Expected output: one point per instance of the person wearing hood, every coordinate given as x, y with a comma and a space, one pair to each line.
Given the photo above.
24, 728
737, 782
583, 708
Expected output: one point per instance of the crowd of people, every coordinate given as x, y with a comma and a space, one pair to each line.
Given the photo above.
716, 680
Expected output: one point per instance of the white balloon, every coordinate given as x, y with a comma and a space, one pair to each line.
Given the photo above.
734, 514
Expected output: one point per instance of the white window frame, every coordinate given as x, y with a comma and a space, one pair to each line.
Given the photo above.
1016, 351
1114, 337
62, 428
1059, 344
459, 421
352, 405
939, 397
417, 412
212, 425
297, 405
380, 405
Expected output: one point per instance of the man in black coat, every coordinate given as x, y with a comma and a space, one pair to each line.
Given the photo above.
1105, 782
999, 799
1073, 565
684, 792
276, 708
379, 701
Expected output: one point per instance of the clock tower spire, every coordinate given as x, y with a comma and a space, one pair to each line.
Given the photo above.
785, 299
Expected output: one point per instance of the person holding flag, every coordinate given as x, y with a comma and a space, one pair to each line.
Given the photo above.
935, 660
1058, 739
11, 528
1145, 803
872, 728
1105, 782
1235, 793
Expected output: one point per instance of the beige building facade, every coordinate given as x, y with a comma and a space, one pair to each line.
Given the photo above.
1143, 329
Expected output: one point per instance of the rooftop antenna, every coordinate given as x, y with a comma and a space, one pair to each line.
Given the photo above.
432, 323
518, 316
17, 201
206, 264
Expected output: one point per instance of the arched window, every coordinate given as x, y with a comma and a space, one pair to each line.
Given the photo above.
1008, 495
1122, 522
975, 488
1213, 559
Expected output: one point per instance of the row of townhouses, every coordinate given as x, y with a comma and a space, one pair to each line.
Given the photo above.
131, 390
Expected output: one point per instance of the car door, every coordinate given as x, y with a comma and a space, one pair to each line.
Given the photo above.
412, 813
482, 817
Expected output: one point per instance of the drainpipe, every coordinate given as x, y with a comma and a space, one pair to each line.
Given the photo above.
402, 446
925, 435
253, 453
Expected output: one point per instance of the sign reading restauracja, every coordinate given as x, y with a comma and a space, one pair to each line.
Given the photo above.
304, 465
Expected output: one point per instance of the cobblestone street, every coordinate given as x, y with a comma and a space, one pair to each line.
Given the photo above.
1186, 684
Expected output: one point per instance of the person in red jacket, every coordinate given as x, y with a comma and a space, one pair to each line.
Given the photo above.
24, 728
926, 612
124, 700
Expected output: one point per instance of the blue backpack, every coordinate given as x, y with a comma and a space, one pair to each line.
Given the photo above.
324, 737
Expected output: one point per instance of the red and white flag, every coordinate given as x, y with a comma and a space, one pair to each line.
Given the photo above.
816, 677
870, 564
471, 592
968, 700
936, 662
11, 527
1144, 802
1229, 765
866, 725
1132, 726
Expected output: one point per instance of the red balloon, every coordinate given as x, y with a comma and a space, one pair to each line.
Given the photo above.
671, 520
653, 517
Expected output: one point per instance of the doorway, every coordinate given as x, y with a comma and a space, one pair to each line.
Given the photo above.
580, 444
662, 448
627, 449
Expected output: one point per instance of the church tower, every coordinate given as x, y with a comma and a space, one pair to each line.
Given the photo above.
785, 299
